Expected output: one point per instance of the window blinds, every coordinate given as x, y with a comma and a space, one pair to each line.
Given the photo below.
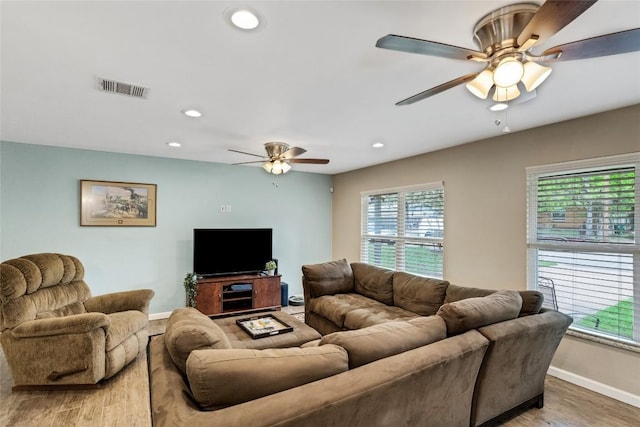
403, 229
583, 251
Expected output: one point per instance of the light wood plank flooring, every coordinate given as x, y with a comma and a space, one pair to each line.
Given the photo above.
124, 401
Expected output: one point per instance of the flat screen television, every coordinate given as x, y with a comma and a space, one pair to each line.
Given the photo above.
224, 251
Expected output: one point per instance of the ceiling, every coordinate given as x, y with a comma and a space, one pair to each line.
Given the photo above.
310, 76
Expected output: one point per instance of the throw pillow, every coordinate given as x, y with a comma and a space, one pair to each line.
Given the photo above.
386, 339
187, 330
221, 378
531, 300
473, 313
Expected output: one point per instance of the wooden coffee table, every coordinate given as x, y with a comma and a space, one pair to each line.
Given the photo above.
238, 338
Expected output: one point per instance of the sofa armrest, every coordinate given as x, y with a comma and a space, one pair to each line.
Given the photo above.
74, 324
516, 362
120, 301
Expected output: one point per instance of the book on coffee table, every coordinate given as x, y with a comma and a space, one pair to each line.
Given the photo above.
263, 326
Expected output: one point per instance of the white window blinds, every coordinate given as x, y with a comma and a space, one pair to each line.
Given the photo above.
403, 229
583, 251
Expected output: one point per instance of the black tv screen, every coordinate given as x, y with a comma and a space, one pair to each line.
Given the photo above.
219, 251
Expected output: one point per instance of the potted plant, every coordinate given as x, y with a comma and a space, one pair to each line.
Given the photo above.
270, 266
191, 288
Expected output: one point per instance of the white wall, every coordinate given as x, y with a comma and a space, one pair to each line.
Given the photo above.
39, 212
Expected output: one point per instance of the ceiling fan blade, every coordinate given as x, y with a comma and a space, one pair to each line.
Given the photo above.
553, 16
292, 152
427, 47
312, 161
253, 161
249, 154
436, 90
608, 44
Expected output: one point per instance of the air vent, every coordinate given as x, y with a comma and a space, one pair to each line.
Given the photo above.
128, 89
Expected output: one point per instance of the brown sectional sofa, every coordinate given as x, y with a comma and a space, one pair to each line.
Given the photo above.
391, 362
340, 296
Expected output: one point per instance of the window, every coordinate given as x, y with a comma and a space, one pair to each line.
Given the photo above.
587, 264
403, 229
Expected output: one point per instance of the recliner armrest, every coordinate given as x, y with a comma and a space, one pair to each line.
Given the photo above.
120, 301
74, 324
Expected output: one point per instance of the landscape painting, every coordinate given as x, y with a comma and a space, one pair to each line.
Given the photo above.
106, 203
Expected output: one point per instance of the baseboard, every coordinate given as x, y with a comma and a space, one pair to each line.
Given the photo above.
589, 384
158, 316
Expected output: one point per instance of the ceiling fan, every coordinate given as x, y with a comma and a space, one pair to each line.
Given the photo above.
505, 37
278, 157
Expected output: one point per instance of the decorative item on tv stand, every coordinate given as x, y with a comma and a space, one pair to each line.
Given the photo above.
270, 267
191, 288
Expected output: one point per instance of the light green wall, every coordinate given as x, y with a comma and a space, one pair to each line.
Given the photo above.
39, 212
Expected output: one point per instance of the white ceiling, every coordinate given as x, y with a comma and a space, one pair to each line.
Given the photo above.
311, 77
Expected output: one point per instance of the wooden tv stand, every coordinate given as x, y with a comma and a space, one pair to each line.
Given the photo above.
223, 295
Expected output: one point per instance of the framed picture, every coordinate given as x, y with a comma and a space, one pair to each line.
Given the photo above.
123, 204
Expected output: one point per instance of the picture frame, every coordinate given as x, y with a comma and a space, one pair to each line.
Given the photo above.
117, 204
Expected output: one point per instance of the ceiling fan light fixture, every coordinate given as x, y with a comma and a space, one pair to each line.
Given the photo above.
505, 94
277, 167
482, 84
534, 75
508, 72
499, 106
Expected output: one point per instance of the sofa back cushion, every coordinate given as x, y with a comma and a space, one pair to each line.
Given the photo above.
40, 285
420, 295
531, 300
329, 278
373, 282
387, 339
188, 330
221, 378
473, 313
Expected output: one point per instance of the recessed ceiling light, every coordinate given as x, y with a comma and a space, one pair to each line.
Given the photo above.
192, 113
377, 145
245, 19
174, 144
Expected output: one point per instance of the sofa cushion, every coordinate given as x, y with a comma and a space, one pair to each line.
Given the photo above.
363, 317
472, 313
187, 330
386, 339
373, 282
335, 307
328, 278
421, 295
531, 300
221, 378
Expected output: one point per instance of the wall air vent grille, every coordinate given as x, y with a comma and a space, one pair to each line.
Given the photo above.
128, 89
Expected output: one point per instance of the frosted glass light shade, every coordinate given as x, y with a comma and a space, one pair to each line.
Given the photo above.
482, 84
277, 167
534, 75
504, 94
508, 72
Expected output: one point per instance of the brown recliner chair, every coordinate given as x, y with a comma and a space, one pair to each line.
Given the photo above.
54, 333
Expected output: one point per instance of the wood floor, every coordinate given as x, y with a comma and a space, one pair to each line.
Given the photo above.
124, 401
